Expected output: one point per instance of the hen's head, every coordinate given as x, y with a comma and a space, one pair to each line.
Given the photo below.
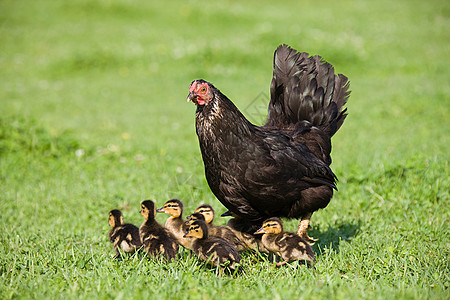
200, 92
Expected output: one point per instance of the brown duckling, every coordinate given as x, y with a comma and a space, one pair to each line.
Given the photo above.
194, 217
241, 241
123, 236
251, 242
288, 245
237, 222
175, 223
155, 238
207, 211
211, 249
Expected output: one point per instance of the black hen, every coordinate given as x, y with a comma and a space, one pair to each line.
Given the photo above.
280, 169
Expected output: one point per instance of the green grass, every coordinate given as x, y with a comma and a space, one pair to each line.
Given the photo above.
93, 117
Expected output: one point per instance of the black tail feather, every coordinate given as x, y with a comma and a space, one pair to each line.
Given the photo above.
306, 92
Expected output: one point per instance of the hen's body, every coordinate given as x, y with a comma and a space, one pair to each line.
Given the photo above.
282, 168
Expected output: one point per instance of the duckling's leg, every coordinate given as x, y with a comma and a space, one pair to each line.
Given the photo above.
303, 229
220, 274
117, 252
281, 263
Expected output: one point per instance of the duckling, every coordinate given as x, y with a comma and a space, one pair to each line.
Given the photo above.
207, 211
175, 223
288, 245
194, 217
155, 238
214, 250
241, 241
236, 223
123, 236
206, 214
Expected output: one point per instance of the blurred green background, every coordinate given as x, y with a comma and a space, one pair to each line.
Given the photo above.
102, 68
93, 117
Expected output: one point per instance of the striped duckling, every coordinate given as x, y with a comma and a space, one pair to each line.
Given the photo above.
175, 223
240, 240
124, 236
155, 238
211, 249
289, 246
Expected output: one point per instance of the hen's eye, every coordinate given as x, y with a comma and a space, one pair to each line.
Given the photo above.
203, 89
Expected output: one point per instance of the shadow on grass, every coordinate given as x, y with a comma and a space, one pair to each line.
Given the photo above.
333, 235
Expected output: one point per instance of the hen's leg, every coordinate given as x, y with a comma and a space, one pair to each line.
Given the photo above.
303, 229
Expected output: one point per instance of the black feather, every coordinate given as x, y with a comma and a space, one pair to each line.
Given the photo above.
282, 168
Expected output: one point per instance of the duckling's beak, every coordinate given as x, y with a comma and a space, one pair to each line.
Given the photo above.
188, 218
260, 231
187, 234
227, 214
160, 210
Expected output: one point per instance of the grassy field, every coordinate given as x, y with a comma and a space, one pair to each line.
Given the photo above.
93, 116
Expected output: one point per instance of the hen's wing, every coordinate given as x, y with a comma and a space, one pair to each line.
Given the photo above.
269, 172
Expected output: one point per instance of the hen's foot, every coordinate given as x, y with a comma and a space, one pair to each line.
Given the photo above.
310, 240
303, 230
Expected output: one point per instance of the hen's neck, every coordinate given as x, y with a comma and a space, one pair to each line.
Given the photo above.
221, 117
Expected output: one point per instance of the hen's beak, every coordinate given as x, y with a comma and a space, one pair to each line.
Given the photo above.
160, 210
260, 231
192, 97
